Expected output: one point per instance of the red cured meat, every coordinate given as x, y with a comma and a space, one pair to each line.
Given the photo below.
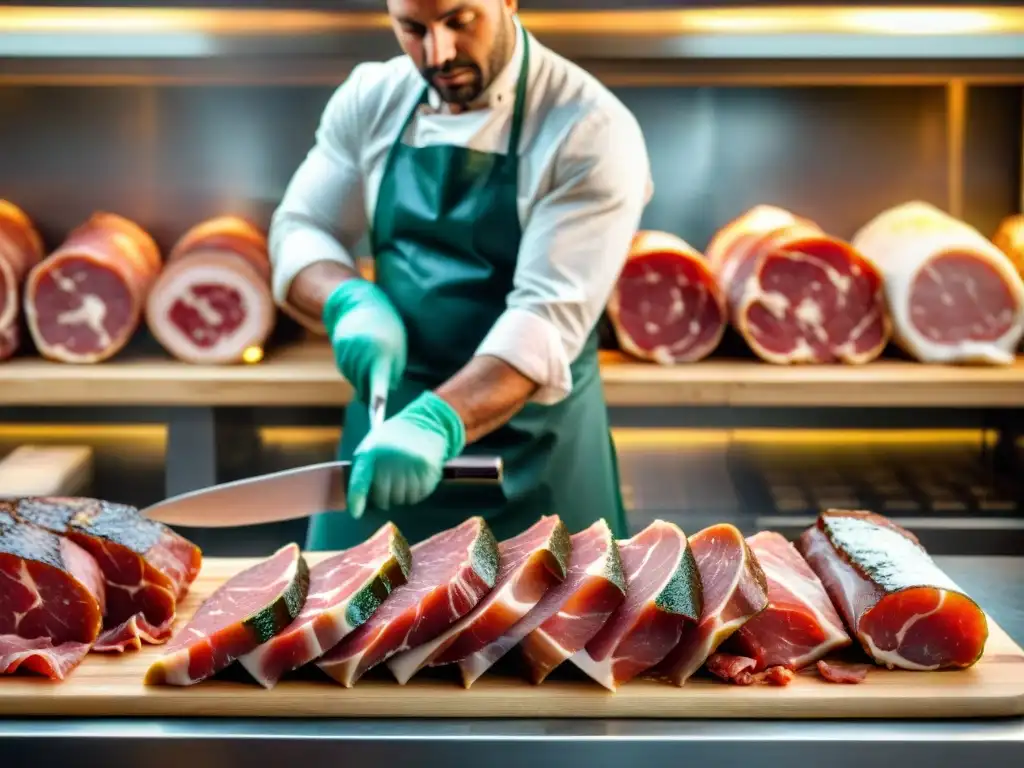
147, 567
735, 591
344, 591
528, 566
84, 301
663, 596
212, 302
843, 672
21, 248
451, 572
800, 625
247, 610
740, 670
905, 611
666, 306
51, 599
796, 294
569, 614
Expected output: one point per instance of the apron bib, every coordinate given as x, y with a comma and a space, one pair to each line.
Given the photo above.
445, 240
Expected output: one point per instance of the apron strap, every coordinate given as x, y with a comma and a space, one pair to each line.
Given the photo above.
519, 109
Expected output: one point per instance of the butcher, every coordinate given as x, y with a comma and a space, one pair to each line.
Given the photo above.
499, 186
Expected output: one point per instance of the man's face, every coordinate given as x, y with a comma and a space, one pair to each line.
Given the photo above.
459, 47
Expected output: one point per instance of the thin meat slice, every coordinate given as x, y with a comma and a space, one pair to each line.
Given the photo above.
51, 599
735, 591
246, 611
212, 303
451, 573
528, 566
344, 591
954, 297
148, 568
21, 248
85, 300
796, 294
843, 671
666, 306
800, 624
663, 597
905, 611
742, 670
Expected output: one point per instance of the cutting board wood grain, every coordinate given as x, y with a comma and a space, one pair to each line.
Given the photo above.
111, 685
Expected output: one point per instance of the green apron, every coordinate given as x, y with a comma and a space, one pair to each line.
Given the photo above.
445, 240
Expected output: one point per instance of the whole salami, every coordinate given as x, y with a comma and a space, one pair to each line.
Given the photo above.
21, 248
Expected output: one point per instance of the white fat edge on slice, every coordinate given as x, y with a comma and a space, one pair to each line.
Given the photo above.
602, 672
901, 242
13, 304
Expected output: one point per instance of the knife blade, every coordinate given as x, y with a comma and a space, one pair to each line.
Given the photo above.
378, 405
293, 493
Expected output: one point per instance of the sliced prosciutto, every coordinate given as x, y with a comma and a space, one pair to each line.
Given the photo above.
663, 597
799, 625
842, 671
451, 573
148, 568
344, 591
529, 565
742, 670
666, 306
51, 599
905, 611
735, 591
246, 611
21, 248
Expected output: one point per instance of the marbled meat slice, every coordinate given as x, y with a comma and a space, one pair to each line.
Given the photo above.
663, 596
51, 599
528, 566
148, 568
666, 306
569, 614
344, 591
451, 573
953, 296
246, 611
735, 591
905, 611
21, 248
798, 295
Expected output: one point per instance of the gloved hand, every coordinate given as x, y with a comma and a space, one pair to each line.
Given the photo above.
367, 336
400, 461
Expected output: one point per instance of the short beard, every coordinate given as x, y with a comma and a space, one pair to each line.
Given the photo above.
497, 59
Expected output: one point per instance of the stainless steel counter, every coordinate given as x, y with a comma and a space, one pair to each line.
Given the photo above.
996, 582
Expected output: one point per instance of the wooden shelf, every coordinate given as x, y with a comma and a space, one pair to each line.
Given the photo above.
304, 375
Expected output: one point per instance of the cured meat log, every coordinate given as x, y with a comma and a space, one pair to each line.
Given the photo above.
898, 603
528, 566
735, 591
51, 599
800, 624
953, 296
1009, 238
663, 597
666, 306
212, 301
147, 567
21, 248
796, 294
570, 613
451, 573
85, 300
344, 591
246, 611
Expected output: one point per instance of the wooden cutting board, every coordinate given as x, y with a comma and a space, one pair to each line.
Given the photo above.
111, 685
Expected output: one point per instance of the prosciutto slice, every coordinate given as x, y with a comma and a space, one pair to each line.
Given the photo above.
905, 611
663, 597
51, 599
528, 566
451, 572
735, 591
147, 567
21, 248
344, 591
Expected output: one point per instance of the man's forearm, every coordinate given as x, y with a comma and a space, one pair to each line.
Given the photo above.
311, 287
486, 393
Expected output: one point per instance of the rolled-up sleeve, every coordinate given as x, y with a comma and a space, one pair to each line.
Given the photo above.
322, 215
574, 245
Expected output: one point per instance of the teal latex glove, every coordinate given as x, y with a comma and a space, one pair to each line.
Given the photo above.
367, 335
400, 462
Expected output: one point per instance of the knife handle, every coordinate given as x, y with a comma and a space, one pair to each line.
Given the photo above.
473, 469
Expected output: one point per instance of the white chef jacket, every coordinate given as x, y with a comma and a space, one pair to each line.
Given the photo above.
584, 179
